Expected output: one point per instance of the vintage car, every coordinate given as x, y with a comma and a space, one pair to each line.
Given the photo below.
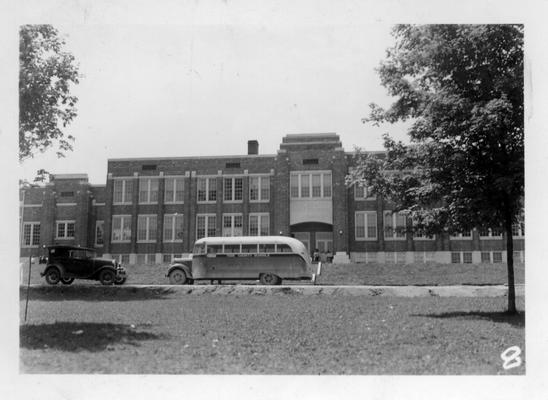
66, 263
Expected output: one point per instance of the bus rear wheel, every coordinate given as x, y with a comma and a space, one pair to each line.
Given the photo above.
269, 279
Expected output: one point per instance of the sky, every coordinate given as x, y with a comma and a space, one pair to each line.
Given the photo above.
183, 90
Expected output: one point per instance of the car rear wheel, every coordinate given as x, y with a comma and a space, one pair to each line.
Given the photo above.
177, 277
269, 279
53, 276
67, 281
107, 277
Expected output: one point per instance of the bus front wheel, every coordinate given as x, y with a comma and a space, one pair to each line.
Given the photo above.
269, 279
177, 277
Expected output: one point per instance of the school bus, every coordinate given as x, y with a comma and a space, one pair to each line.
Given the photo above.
270, 259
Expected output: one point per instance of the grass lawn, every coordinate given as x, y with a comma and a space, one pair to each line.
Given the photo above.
276, 334
347, 274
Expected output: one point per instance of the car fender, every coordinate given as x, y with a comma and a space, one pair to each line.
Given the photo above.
183, 267
101, 269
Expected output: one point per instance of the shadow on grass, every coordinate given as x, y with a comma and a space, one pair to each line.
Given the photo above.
94, 293
517, 320
79, 336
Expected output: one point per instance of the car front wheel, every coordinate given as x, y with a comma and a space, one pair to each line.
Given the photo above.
107, 277
120, 281
177, 277
67, 281
53, 276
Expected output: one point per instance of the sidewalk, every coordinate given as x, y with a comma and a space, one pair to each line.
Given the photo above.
304, 290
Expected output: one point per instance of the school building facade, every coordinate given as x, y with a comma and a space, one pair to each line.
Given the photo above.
153, 209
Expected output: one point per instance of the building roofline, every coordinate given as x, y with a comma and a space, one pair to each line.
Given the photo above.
70, 176
191, 157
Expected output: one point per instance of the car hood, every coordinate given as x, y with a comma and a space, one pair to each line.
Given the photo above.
103, 260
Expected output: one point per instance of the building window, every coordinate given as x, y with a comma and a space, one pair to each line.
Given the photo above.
485, 257
310, 185
421, 235
65, 230
394, 225
99, 231
366, 225
259, 224
123, 191
146, 259
361, 193
146, 228
174, 190
121, 228
490, 233
173, 228
207, 189
518, 230
233, 225
467, 257
148, 190
31, 234
463, 235
497, 257
259, 188
233, 189
205, 225
455, 258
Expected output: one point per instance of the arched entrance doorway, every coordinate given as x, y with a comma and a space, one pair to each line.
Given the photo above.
315, 235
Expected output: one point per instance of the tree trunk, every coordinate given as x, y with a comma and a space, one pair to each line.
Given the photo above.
508, 221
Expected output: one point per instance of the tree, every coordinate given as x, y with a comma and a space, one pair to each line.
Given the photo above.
461, 86
46, 74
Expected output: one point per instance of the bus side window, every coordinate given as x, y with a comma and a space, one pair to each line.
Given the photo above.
214, 248
283, 248
267, 248
232, 248
249, 248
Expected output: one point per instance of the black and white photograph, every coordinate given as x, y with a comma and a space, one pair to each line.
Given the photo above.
232, 199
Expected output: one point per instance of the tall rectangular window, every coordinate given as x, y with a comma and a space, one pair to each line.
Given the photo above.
232, 225
233, 189
394, 225
366, 225
99, 232
148, 190
123, 191
316, 185
294, 184
259, 188
121, 228
174, 190
146, 228
205, 225
310, 185
259, 224
65, 230
207, 189
31, 234
173, 228
305, 185
326, 180
361, 193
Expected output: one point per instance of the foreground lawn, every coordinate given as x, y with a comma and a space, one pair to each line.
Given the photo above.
347, 274
276, 334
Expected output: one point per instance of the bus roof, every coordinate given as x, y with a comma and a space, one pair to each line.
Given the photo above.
292, 242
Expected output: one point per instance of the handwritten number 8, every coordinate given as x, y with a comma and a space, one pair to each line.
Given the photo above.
511, 357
